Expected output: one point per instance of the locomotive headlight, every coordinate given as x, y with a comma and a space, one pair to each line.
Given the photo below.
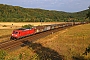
12, 34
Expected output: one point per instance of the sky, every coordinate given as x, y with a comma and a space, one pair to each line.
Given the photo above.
58, 5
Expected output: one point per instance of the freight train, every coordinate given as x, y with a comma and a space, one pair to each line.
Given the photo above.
23, 32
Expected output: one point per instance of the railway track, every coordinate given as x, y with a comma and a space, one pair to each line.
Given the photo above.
12, 44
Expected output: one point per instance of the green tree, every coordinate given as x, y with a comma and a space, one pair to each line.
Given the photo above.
88, 15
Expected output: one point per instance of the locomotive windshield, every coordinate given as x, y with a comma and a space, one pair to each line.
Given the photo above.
14, 32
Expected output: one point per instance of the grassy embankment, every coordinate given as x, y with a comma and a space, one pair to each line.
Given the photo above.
69, 43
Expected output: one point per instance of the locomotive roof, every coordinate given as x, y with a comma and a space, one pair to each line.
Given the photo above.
23, 29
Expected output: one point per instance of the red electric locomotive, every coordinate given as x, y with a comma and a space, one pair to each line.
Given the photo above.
22, 32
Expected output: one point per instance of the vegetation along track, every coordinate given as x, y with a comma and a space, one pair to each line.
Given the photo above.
12, 44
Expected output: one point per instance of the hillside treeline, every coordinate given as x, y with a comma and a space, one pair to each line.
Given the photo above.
10, 13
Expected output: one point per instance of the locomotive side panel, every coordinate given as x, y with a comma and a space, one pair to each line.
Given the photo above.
22, 33
31, 31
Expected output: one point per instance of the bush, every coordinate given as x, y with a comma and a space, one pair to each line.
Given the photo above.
4, 26
2, 54
27, 26
20, 56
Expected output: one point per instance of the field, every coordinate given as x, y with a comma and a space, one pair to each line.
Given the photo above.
5, 34
68, 44
14, 25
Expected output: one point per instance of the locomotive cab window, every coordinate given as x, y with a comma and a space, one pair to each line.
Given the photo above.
15, 32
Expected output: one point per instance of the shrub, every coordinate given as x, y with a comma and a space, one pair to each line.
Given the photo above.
20, 56
27, 26
4, 26
2, 54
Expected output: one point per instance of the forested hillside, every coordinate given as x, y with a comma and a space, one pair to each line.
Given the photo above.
10, 13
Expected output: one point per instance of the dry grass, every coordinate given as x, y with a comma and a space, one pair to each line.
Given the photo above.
19, 24
5, 34
15, 55
69, 42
